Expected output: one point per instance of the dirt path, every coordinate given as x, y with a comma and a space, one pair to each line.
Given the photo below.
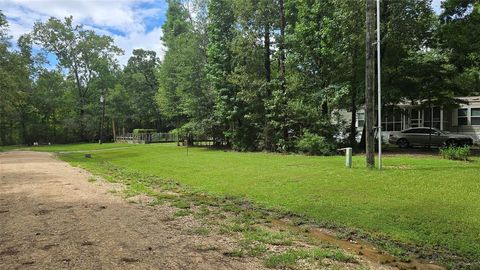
51, 217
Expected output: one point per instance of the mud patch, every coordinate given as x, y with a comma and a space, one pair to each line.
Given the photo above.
359, 247
87, 243
42, 212
129, 260
49, 246
141, 199
9, 252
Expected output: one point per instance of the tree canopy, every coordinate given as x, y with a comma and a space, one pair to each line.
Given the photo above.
251, 74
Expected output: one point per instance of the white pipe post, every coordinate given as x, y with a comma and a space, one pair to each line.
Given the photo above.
348, 157
379, 87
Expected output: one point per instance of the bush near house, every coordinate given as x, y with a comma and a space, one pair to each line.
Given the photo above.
456, 153
315, 145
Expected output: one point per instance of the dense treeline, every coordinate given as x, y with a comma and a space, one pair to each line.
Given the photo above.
252, 74
271, 74
63, 104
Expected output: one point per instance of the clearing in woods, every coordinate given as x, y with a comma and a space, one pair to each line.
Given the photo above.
410, 210
55, 216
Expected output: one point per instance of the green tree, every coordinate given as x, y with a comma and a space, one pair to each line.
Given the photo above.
15, 85
315, 59
121, 110
406, 30
139, 79
219, 56
183, 96
8, 83
86, 55
459, 34
254, 75
175, 29
51, 100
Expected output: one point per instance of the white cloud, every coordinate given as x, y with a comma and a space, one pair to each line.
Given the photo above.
125, 20
437, 6
147, 41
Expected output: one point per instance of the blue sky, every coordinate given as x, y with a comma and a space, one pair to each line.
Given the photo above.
132, 23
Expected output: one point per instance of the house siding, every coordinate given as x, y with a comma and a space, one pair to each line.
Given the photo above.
449, 119
469, 129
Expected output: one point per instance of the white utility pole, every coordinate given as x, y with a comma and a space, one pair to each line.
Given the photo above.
379, 87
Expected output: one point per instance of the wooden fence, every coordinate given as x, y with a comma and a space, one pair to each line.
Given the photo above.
143, 138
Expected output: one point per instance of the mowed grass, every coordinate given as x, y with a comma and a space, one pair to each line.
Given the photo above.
424, 201
4, 148
79, 147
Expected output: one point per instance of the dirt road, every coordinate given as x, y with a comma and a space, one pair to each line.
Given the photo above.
51, 217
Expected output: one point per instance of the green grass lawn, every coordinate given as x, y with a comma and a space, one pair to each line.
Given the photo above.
422, 201
8, 147
79, 147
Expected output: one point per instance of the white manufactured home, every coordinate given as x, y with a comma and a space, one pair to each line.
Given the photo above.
462, 120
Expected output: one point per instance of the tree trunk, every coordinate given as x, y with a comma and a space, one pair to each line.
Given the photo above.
113, 130
431, 123
24, 128
362, 143
11, 140
81, 95
54, 121
2, 133
370, 85
268, 78
353, 101
281, 47
353, 127
267, 54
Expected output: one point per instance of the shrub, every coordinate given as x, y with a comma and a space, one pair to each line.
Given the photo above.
315, 145
190, 129
455, 153
143, 130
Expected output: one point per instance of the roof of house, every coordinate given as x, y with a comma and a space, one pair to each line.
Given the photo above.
468, 100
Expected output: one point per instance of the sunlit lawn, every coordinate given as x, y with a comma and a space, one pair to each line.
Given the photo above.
415, 200
80, 147
8, 147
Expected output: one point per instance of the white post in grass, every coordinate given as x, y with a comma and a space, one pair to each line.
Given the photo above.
379, 122
348, 157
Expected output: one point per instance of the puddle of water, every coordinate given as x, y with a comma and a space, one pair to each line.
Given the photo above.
362, 248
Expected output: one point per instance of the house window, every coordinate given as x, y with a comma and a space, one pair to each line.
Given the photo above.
397, 116
415, 118
360, 119
462, 117
475, 116
432, 114
392, 120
